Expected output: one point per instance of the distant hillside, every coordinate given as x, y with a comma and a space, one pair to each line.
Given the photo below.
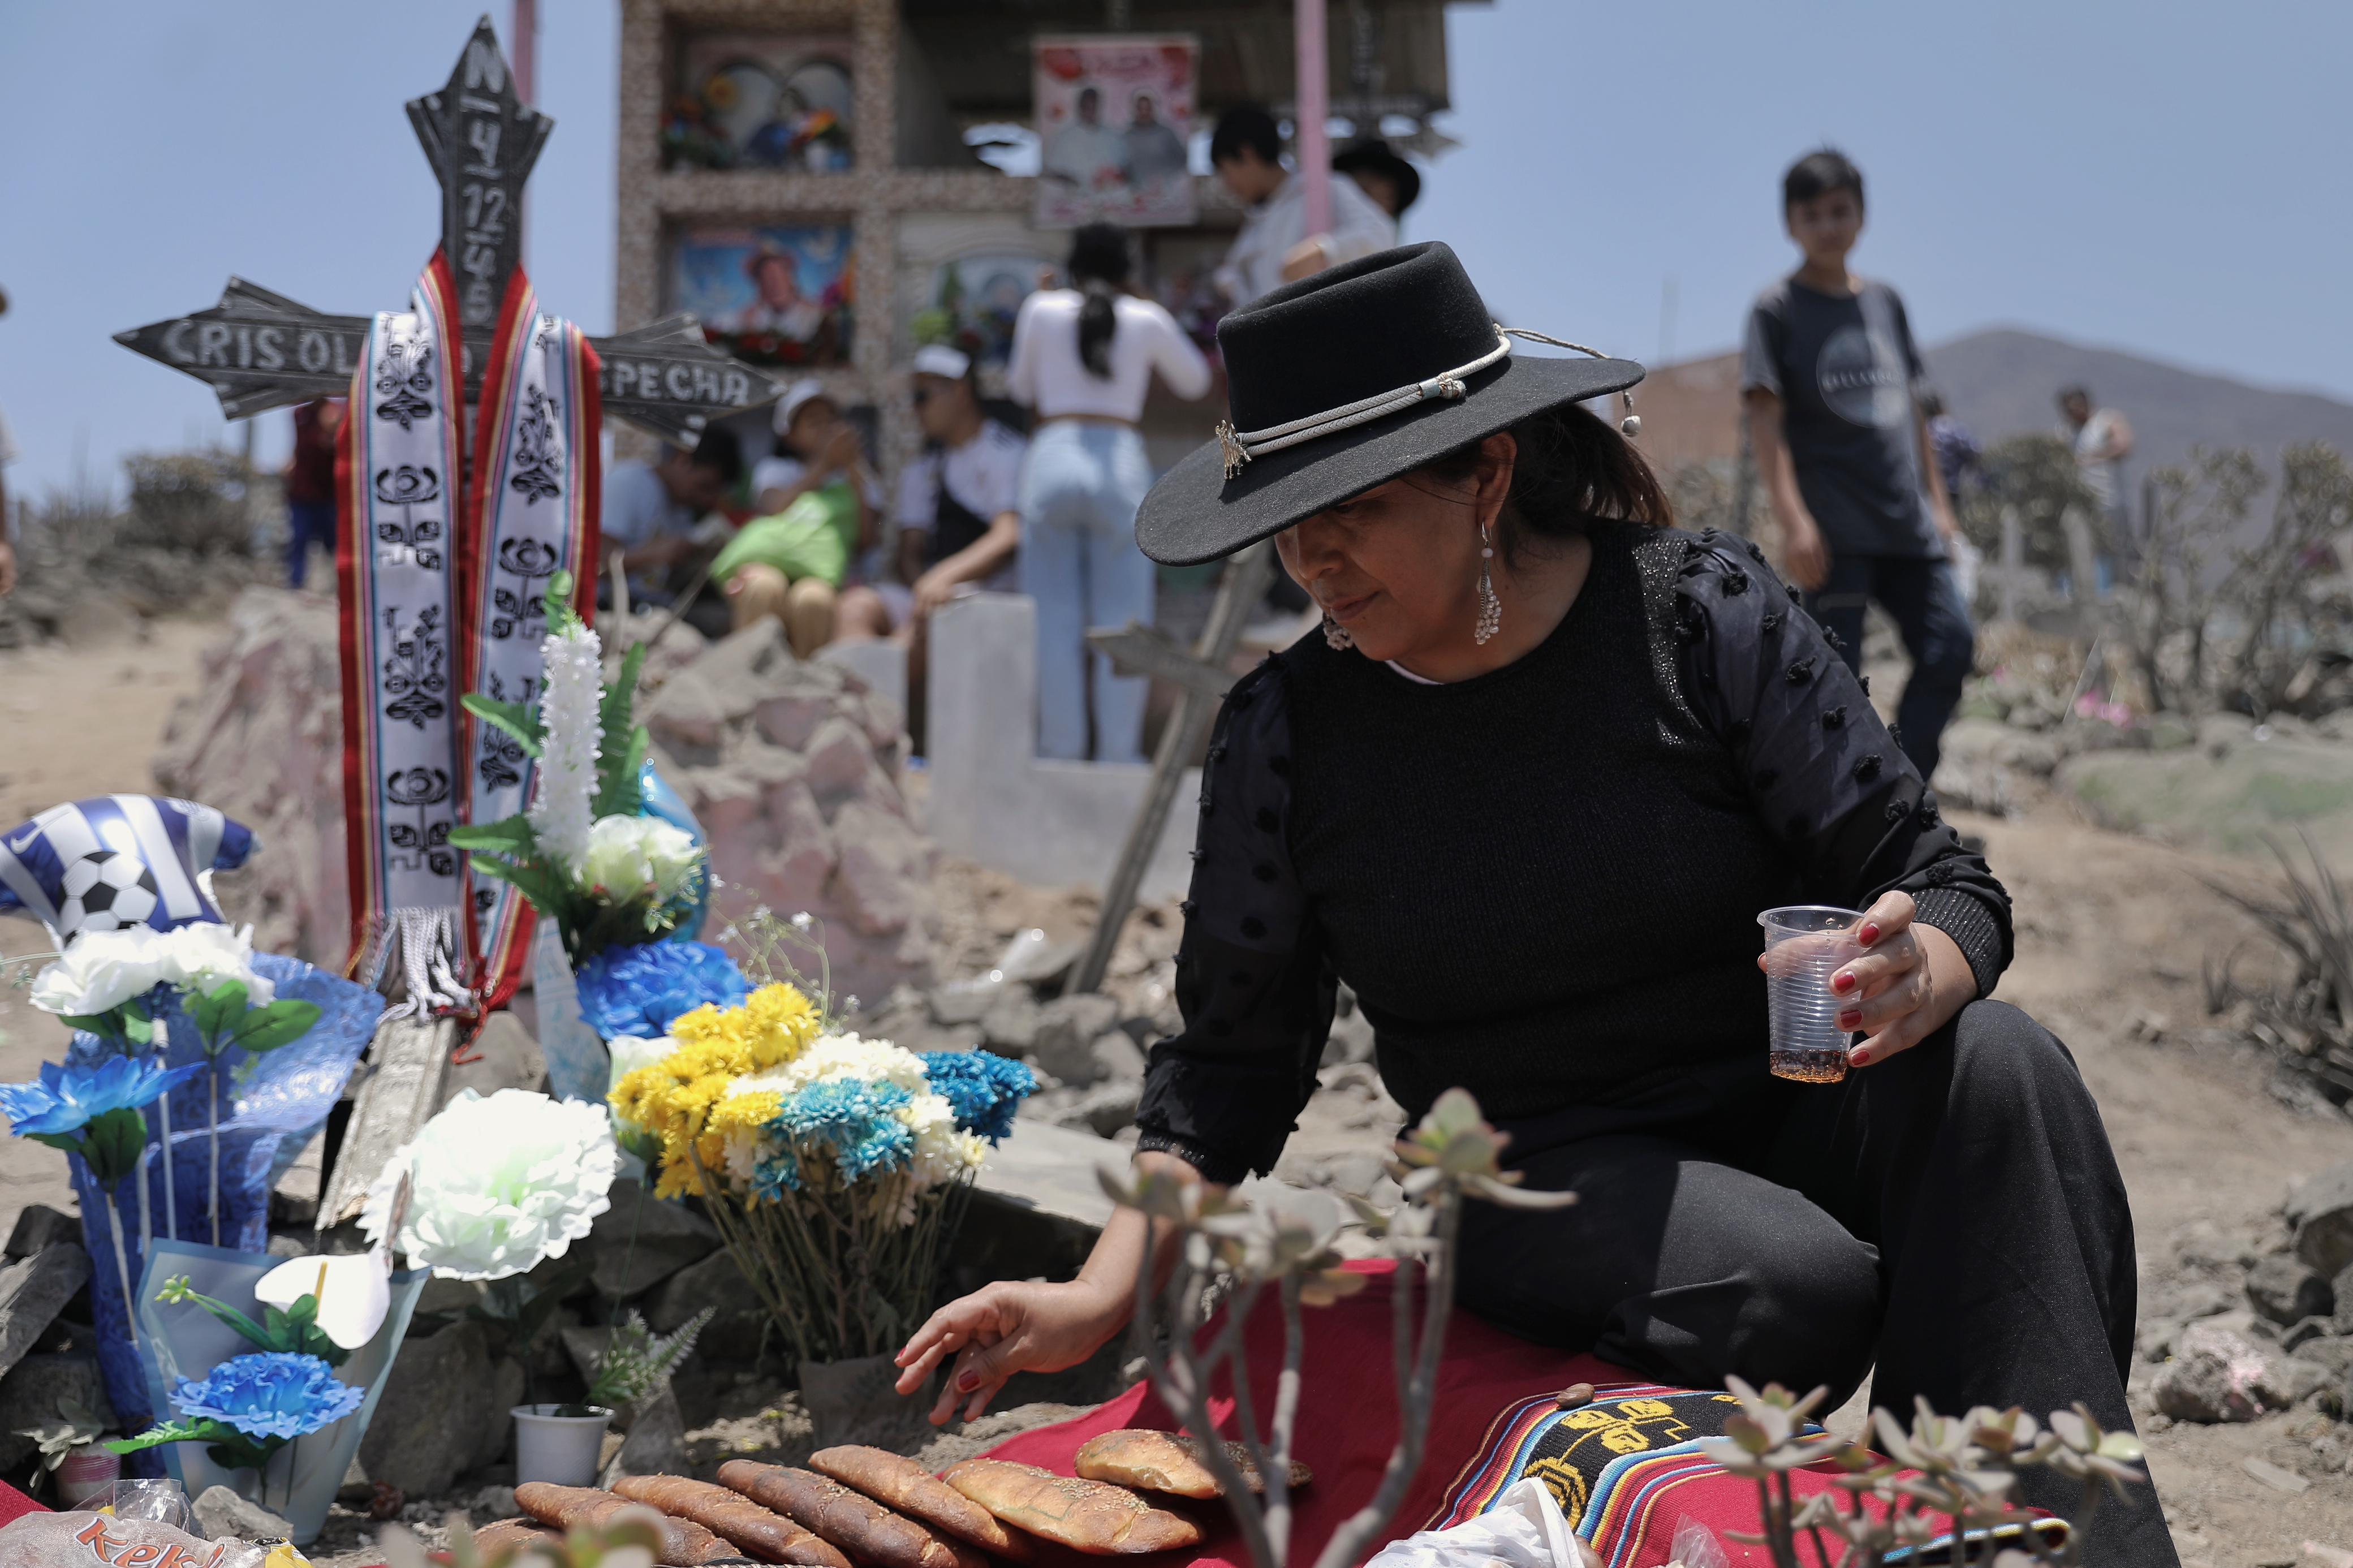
2003, 382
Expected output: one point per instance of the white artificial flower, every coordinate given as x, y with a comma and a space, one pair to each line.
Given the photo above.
502, 1184
570, 693
629, 855
102, 970
354, 1289
205, 955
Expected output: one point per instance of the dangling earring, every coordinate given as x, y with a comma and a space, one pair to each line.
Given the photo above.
1335, 636
1490, 608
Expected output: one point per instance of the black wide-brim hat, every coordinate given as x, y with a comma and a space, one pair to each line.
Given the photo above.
1389, 323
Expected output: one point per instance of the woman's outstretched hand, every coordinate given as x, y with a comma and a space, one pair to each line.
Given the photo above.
1909, 983
1004, 1328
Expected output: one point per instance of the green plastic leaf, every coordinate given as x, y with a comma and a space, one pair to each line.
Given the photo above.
549, 894
280, 1024
105, 1025
111, 1143
622, 743
517, 720
181, 1431
556, 607
508, 835
215, 1011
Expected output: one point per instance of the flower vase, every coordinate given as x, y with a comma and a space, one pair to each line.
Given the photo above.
578, 1065
299, 1484
561, 1450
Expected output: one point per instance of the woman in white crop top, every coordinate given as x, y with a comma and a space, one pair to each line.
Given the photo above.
1084, 358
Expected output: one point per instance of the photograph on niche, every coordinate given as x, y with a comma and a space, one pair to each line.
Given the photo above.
778, 294
974, 300
760, 100
1114, 123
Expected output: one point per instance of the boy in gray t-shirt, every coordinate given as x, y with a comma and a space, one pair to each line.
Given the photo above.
1829, 376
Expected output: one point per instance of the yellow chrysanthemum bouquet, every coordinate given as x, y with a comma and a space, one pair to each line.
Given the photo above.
836, 1168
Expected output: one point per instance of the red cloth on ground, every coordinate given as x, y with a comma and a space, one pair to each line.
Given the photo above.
1492, 1403
1347, 1417
15, 1504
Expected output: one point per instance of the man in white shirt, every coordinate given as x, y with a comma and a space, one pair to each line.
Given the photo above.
1275, 246
653, 511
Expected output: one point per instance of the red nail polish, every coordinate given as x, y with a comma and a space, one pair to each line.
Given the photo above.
1850, 1020
1841, 983
966, 1381
1870, 934
1861, 1059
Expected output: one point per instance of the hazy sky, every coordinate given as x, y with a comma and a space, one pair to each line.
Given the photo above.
2145, 174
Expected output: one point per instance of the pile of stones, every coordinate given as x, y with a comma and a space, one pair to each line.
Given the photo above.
2283, 1337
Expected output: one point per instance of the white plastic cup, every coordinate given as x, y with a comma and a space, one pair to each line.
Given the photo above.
1805, 944
561, 1450
86, 1472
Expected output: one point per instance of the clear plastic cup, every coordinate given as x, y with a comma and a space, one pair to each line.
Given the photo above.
1805, 944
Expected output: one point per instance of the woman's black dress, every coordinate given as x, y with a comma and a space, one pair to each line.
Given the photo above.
1543, 884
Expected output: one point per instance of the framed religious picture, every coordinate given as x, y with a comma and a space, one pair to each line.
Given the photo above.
760, 100
778, 294
1114, 125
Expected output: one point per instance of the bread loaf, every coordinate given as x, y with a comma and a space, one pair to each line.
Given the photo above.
509, 1534
872, 1535
1087, 1516
904, 1485
1166, 1462
764, 1533
684, 1543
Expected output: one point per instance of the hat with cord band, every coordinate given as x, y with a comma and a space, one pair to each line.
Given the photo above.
1346, 380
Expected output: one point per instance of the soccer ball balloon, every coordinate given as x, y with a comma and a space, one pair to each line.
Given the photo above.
118, 860
106, 890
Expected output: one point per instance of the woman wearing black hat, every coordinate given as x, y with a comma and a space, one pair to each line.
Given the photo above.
1526, 793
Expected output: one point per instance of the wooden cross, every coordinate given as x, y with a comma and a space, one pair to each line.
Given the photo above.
259, 350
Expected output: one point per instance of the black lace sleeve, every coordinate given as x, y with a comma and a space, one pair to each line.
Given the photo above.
1251, 980
1826, 775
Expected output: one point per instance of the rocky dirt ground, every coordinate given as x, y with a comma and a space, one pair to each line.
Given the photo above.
2114, 931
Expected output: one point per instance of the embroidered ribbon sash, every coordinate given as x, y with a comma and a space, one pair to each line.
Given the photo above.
439, 575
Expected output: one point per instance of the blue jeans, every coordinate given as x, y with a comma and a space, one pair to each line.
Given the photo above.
1926, 604
307, 520
1080, 488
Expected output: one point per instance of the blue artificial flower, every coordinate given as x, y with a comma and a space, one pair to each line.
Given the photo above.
641, 990
69, 1099
985, 1088
270, 1393
853, 1117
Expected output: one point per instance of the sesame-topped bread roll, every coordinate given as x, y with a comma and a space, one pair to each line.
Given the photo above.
1093, 1517
1166, 1462
914, 1491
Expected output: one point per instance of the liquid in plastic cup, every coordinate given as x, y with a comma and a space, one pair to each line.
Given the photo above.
1805, 944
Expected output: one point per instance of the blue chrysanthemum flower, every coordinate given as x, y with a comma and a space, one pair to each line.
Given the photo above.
270, 1393
641, 990
984, 1088
69, 1099
854, 1119
774, 1177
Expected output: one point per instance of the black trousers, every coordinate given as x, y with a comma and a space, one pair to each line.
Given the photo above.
1924, 601
1951, 1216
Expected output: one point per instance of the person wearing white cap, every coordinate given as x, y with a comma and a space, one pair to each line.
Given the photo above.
959, 513
819, 500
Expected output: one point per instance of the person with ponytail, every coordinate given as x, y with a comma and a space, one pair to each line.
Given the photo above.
1084, 358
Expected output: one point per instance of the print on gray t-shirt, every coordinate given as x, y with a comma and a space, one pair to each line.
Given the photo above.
1844, 370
